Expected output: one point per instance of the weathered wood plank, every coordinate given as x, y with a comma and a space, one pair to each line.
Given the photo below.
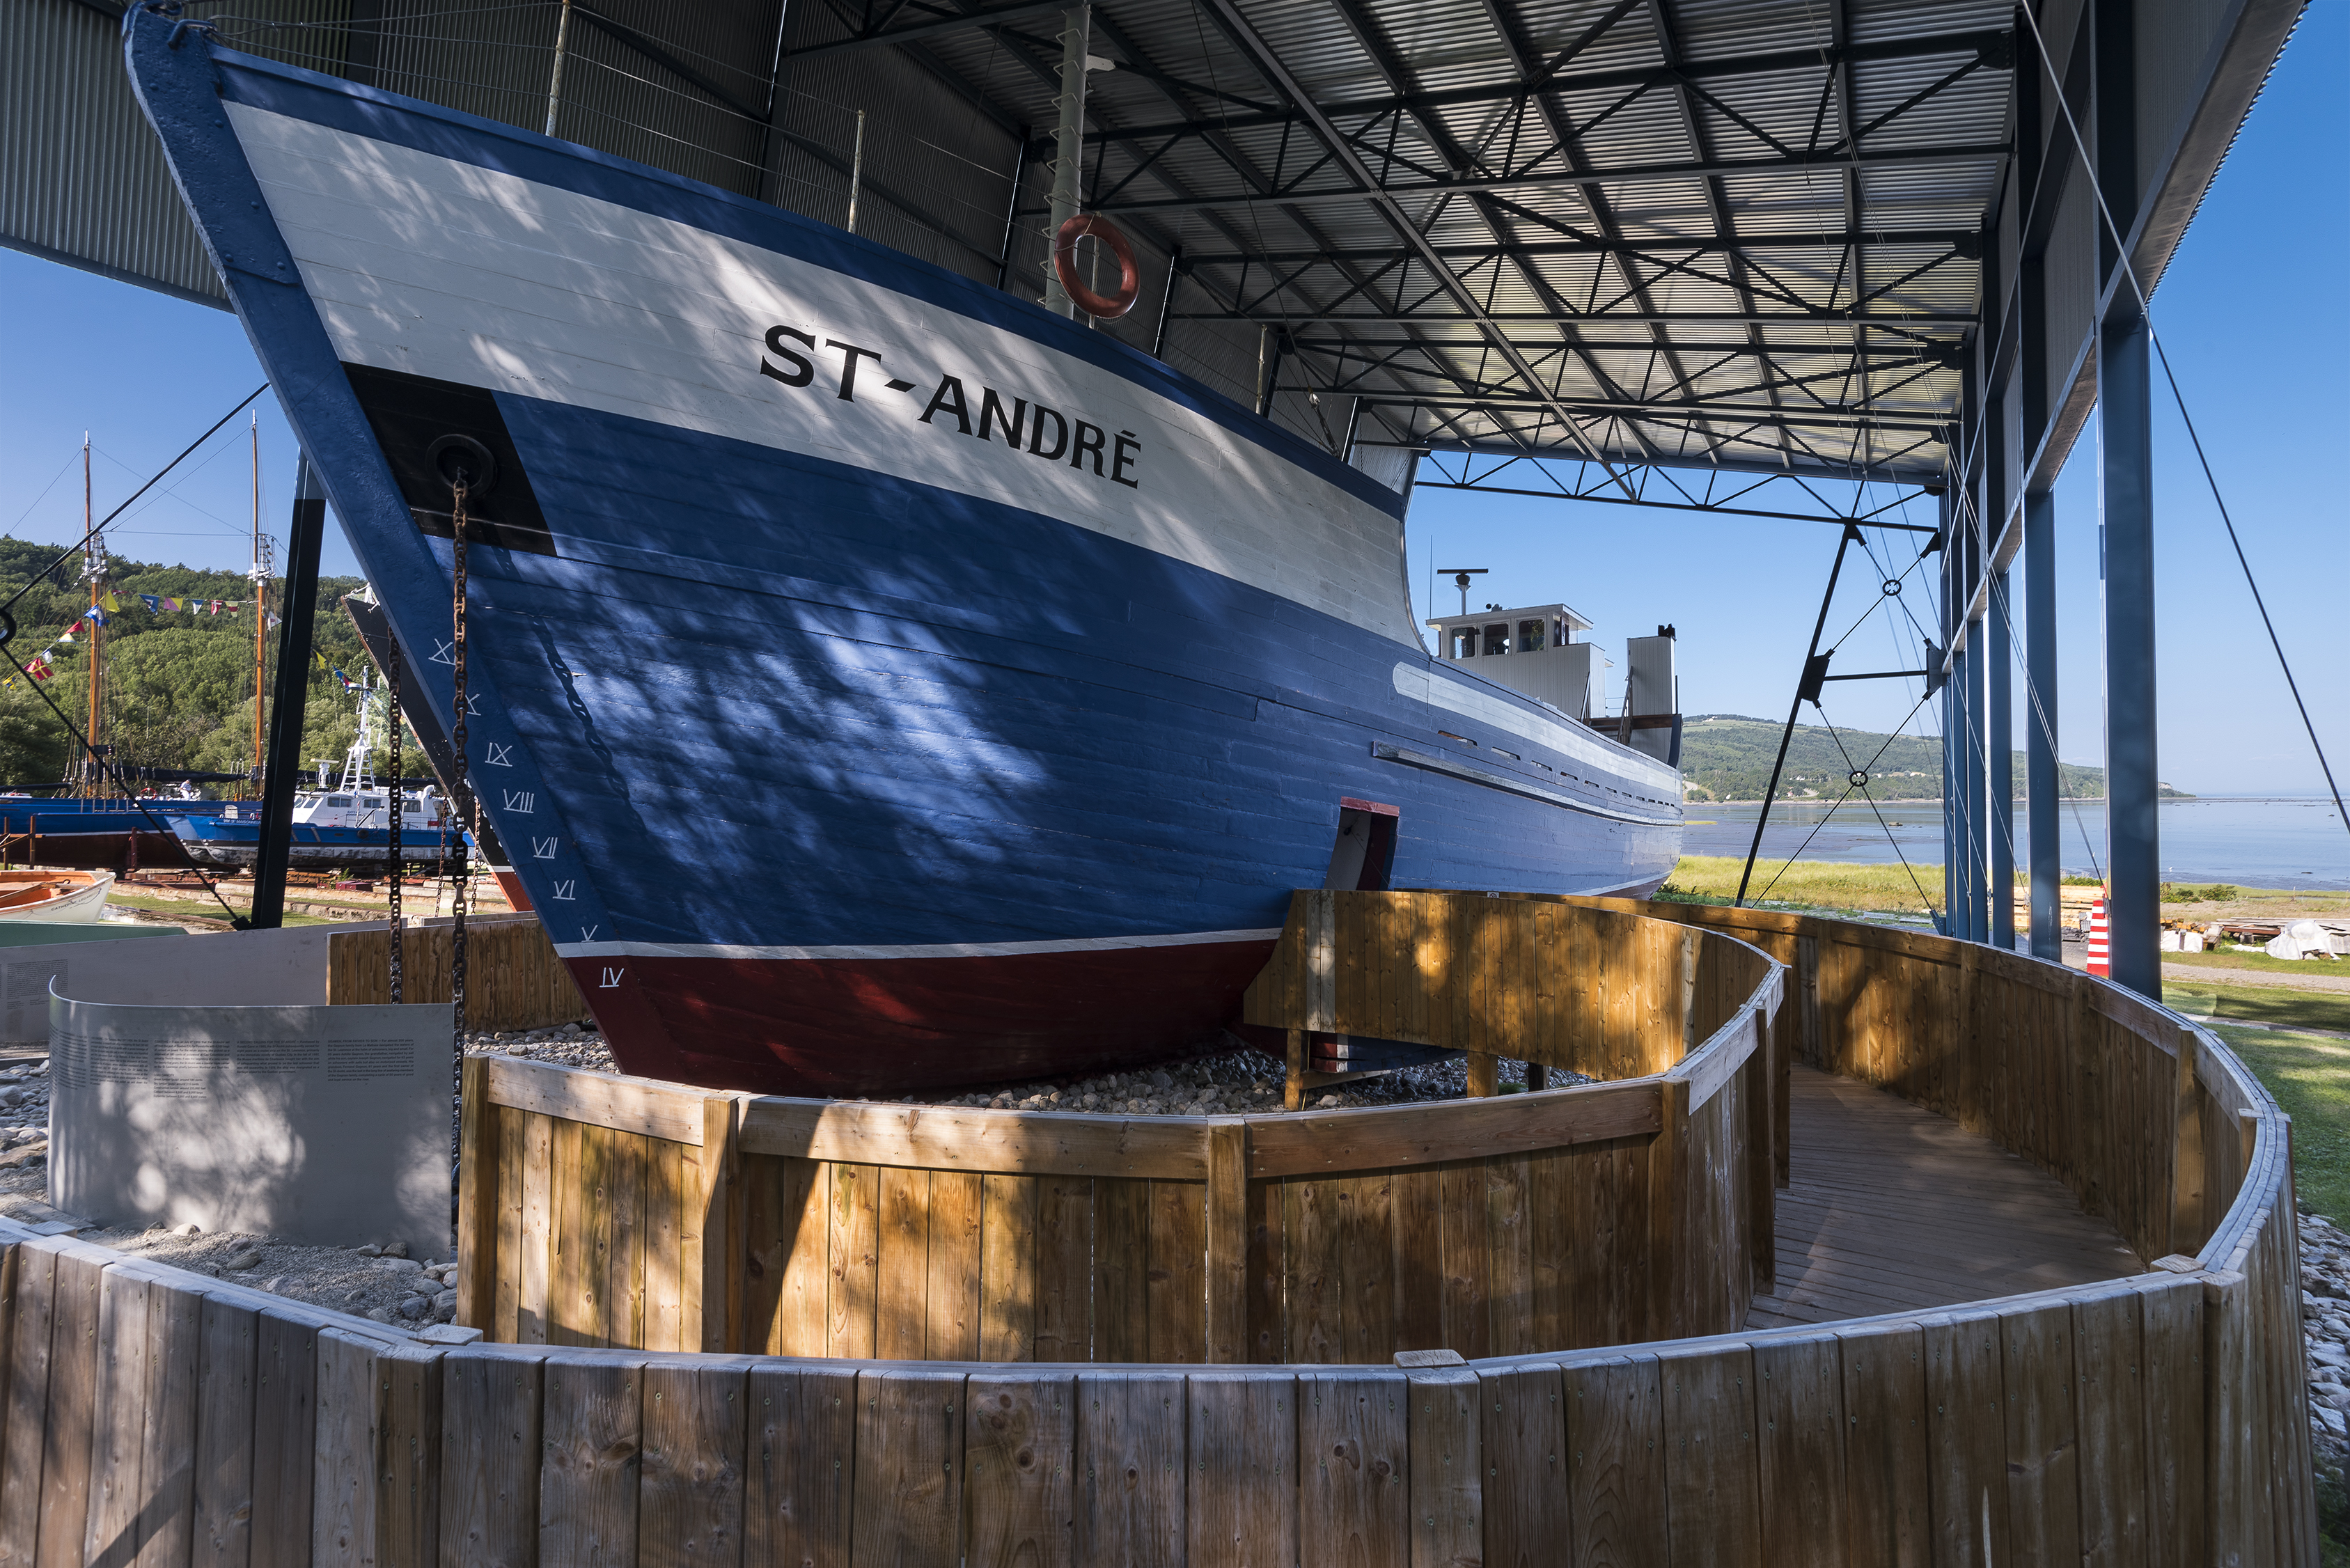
903, 1270
567, 1241
718, 1210
223, 1496
2171, 1327
1887, 1481
1329, 1142
909, 1491
1007, 1268
345, 1521
72, 1389
285, 1439
666, 1255
1616, 1483
690, 1493
2043, 1453
1175, 1283
408, 1454
629, 1158
954, 1138
802, 1465
175, 1321
34, 1277
532, 1318
644, 1105
1447, 1475
1352, 1496
1510, 1269
1121, 1261
1227, 1264
853, 1258
1712, 1479
1064, 1241
591, 1443
951, 1292
117, 1416
1523, 1441
1799, 1395
1366, 1299
505, 1253
1019, 1449
1243, 1471
490, 1454
799, 1248
1130, 1486
477, 1196
2110, 1390
1967, 1441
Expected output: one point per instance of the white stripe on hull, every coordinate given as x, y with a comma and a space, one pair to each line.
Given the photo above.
424, 265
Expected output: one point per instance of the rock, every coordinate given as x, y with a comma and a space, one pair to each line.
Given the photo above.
415, 1307
13, 1097
395, 1249
446, 1301
245, 1258
191, 1227
399, 1265
380, 1315
369, 1249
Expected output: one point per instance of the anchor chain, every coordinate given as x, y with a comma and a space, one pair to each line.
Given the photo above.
391, 851
461, 800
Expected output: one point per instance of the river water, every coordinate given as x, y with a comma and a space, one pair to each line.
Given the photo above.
2255, 843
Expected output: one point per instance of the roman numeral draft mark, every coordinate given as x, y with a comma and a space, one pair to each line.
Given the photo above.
518, 801
498, 755
562, 892
542, 848
443, 652
612, 980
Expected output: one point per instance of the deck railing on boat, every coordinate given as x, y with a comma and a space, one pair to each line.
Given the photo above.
2155, 1420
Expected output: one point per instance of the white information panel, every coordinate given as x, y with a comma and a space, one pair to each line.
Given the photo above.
322, 1125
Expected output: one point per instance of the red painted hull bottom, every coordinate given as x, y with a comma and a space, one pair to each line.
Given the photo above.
894, 1026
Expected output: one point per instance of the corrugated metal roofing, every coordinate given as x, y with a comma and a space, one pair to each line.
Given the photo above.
1735, 233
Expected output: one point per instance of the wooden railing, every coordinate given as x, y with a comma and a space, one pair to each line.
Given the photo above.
514, 980
155, 1416
597, 1214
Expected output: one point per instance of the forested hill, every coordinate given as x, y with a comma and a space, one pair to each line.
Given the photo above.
1727, 756
178, 686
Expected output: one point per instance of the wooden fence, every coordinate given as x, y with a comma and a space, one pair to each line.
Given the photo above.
152, 1416
512, 978
597, 1214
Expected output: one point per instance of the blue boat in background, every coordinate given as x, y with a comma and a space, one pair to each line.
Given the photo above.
96, 833
333, 828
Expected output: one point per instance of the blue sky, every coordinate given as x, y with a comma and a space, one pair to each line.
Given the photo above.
144, 373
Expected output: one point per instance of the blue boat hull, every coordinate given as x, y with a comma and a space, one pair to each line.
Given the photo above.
842, 749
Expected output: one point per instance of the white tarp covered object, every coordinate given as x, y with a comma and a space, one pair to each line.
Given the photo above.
2310, 939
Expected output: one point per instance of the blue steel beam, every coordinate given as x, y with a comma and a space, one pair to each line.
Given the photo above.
1999, 751
2133, 856
2041, 777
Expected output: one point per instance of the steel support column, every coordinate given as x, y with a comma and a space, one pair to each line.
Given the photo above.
2043, 779
1998, 752
305, 532
1953, 840
1977, 804
2124, 414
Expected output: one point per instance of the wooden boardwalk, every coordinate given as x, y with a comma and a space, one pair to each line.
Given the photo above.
1894, 1207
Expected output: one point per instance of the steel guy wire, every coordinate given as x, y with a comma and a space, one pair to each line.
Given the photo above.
2145, 314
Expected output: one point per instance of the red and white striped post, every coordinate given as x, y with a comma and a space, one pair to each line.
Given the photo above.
2100, 960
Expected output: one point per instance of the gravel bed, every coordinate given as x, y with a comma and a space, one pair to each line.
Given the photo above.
2325, 1325
1230, 1083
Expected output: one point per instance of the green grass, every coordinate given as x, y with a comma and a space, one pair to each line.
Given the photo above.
1818, 884
2273, 1005
2337, 968
2309, 1077
189, 909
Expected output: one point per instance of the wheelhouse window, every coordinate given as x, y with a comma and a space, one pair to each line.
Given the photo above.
1497, 637
338, 800
1530, 635
1464, 642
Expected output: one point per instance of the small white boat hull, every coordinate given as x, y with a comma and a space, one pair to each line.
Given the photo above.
79, 906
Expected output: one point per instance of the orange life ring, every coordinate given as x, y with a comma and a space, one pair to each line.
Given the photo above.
1064, 266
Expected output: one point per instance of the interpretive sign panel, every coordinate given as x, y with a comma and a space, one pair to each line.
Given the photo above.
328, 1125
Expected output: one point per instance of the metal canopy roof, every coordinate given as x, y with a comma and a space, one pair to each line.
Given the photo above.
1752, 236
1681, 231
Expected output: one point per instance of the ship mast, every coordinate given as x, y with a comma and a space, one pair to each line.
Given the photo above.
94, 570
260, 575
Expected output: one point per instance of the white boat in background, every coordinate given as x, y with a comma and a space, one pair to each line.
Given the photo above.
54, 896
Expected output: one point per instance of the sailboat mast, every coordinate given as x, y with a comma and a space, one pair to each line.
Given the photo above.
93, 554
260, 604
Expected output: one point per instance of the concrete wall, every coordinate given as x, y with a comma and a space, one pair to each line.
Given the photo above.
326, 1125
